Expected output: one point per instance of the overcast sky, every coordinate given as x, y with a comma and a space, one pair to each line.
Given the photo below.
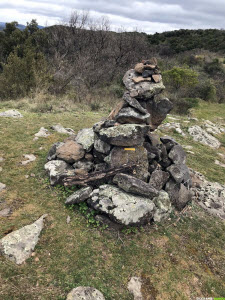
147, 15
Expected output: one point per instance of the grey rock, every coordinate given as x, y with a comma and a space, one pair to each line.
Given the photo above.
123, 208
179, 194
163, 206
144, 89
134, 287
101, 146
11, 114
58, 170
134, 185
134, 103
179, 172
158, 179
79, 196
60, 129
85, 293
52, 152
168, 139
18, 245
177, 155
84, 164
85, 137
43, 132
5, 212
2, 187
203, 137
124, 135
132, 116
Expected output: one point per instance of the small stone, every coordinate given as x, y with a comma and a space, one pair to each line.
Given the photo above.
163, 206
60, 129
2, 187
139, 68
217, 162
147, 73
30, 158
177, 155
5, 212
32, 175
101, 146
79, 196
89, 157
68, 219
42, 133
134, 287
11, 114
157, 78
1, 159
85, 293
26, 176
84, 164
158, 179
179, 172
140, 79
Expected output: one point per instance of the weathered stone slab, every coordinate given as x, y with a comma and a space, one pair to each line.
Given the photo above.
85, 137
12, 113
203, 137
79, 196
132, 116
158, 179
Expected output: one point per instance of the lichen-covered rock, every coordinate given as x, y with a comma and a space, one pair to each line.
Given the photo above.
79, 196
179, 172
203, 137
85, 137
124, 135
124, 208
84, 164
18, 245
101, 146
43, 132
85, 293
144, 89
134, 185
60, 129
158, 179
70, 152
12, 113
52, 152
134, 103
163, 206
58, 170
178, 193
139, 158
177, 155
132, 116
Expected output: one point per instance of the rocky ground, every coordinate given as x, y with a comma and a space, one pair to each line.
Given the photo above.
181, 258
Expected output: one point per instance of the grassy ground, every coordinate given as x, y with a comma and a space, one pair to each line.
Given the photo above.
182, 259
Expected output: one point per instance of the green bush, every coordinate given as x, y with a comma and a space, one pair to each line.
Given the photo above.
207, 91
183, 105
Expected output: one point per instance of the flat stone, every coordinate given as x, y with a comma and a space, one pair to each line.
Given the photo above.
123, 208
70, 152
52, 152
139, 68
134, 103
144, 90
85, 137
134, 185
141, 79
29, 158
177, 155
18, 245
119, 156
134, 287
58, 170
112, 114
132, 116
85, 293
156, 78
179, 172
5, 212
203, 137
60, 129
158, 179
12, 113
124, 135
218, 163
163, 206
43, 132
79, 196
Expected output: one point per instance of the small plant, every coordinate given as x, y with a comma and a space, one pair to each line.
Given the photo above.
130, 230
95, 106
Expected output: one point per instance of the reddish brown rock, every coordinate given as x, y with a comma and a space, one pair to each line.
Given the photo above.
70, 152
156, 78
140, 79
139, 68
116, 110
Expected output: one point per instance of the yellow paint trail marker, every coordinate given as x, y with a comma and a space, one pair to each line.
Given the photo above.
129, 149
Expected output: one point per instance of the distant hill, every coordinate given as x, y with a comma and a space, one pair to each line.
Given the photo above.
20, 26
183, 40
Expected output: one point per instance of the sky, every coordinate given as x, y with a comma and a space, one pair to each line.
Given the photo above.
148, 16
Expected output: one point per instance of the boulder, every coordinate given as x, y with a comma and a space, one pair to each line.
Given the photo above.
144, 90
179, 172
178, 193
18, 245
163, 206
132, 116
203, 137
123, 208
124, 135
120, 156
58, 170
79, 196
70, 152
177, 155
158, 109
85, 137
134, 185
12, 113
101, 146
52, 152
85, 293
134, 103
158, 179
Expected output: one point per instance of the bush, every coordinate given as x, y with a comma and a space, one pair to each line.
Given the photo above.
183, 105
207, 91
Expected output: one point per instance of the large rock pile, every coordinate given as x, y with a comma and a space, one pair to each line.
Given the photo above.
128, 173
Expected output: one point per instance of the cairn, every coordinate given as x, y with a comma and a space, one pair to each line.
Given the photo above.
127, 173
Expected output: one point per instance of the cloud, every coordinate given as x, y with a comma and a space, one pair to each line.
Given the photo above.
148, 15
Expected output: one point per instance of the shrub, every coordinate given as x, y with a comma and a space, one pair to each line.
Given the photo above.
183, 105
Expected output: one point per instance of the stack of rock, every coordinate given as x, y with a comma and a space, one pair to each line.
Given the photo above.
128, 174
